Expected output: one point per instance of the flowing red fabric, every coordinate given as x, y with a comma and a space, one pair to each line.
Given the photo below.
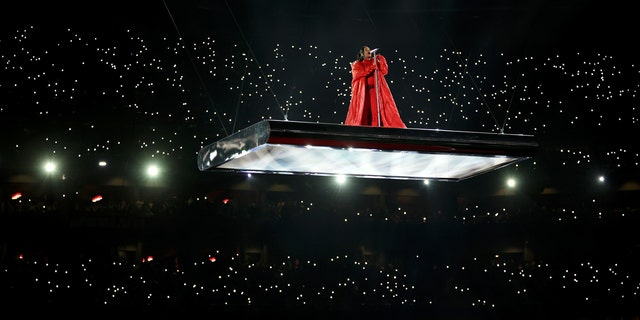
363, 109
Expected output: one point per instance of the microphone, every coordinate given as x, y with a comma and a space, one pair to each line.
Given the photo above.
374, 50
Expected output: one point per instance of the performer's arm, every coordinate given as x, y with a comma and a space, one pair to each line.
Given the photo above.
359, 70
382, 64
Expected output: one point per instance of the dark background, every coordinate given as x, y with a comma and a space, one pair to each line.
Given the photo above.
134, 83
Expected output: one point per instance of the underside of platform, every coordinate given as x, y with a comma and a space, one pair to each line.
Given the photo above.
305, 148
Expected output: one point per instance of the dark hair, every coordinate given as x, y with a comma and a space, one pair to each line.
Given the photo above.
360, 55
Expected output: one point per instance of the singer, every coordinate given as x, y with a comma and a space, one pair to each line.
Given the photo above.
371, 101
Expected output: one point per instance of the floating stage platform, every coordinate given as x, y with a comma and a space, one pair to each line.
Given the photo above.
306, 148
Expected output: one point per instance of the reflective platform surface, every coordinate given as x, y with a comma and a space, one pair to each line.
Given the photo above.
305, 148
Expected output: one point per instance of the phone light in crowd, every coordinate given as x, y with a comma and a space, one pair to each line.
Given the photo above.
96, 198
16, 196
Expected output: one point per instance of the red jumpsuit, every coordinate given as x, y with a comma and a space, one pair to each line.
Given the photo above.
363, 109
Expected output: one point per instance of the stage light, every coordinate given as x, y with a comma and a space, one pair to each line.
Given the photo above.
50, 167
153, 171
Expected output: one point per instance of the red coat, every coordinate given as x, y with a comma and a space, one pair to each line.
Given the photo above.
363, 109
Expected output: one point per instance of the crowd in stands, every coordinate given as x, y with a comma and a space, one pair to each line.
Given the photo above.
235, 255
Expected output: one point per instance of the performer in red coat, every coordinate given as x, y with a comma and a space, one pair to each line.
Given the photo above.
363, 108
